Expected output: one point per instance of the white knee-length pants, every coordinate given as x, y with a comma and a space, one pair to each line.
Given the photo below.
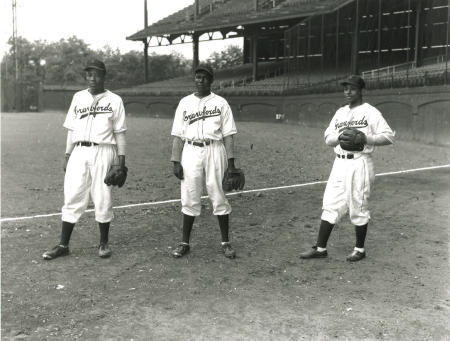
201, 164
348, 189
85, 174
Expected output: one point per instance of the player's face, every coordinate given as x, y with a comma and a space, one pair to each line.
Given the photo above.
203, 83
96, 80
352, 93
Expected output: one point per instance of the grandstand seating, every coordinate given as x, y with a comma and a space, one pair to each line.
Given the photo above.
236, 76
269, 86
238, 80
407, 74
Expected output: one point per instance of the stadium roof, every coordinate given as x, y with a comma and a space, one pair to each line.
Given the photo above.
216, 15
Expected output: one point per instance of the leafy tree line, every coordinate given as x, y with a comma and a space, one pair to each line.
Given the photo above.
62, 62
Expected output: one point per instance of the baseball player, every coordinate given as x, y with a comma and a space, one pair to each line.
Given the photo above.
203, 130
354, 131
95, 142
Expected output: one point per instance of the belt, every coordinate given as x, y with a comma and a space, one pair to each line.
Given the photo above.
86, 144
344, 156
199, 144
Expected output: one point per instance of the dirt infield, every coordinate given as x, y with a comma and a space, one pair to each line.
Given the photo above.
400, 291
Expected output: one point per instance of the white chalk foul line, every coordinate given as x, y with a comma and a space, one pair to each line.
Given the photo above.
171, 201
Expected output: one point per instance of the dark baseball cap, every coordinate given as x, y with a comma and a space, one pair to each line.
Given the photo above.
354, 80
206, 68
95, 64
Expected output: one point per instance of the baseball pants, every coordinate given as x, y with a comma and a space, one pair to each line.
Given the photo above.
85, 174
348, 189
201, 164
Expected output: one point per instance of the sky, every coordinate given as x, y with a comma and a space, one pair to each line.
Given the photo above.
97, 22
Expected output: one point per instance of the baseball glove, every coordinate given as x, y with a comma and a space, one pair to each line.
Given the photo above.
116, 176
352, 139
233, 179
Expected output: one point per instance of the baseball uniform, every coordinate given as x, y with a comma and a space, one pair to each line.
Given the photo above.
202, 123
93, 120
351, 178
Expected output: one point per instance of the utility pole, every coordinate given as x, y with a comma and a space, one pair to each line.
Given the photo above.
145, 41
17, 101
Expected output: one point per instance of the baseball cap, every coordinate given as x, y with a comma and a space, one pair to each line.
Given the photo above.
95, 64
354, 80
206, 68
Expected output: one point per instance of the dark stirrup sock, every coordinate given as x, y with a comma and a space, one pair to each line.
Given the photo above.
224, 226
188, 222
324, 233
104, 232
360, 233
66, 232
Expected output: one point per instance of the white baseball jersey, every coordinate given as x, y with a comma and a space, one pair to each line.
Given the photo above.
365, 118
92, 118
351, 180
95, 118
207, 118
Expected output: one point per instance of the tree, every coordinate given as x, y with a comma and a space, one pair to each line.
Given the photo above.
231, 56
62, 63
168, 66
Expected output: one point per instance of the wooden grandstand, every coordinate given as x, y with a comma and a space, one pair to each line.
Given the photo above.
299, 46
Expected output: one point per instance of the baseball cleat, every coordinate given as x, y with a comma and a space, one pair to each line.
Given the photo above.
313, 254
104, 251
181, 250
228, 250
356, 256
57, 251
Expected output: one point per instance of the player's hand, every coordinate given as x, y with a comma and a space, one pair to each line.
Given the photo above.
178, 170
66, 160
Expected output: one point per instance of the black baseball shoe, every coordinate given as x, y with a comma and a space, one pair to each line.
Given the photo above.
104, 251
228, 250
182, 249
57, 251
356, 256
314, 254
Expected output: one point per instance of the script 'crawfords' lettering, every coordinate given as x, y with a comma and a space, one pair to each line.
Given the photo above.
201, 114
352, 124
93, 110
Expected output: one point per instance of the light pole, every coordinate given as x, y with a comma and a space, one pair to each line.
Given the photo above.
40, 90
42, 63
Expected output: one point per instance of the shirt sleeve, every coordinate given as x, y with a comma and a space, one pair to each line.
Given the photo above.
331, 132
178, 121
69, 122
228, 125
119, 120
381, 127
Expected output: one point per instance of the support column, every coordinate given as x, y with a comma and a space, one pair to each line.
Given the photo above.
308, 51
447, 42
255, 54
145, 41
355, 42
246, 55
379, 33
337, 43
322, 45
418, 41
408, 34
195, 59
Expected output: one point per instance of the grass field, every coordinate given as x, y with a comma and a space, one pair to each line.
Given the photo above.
400, 291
